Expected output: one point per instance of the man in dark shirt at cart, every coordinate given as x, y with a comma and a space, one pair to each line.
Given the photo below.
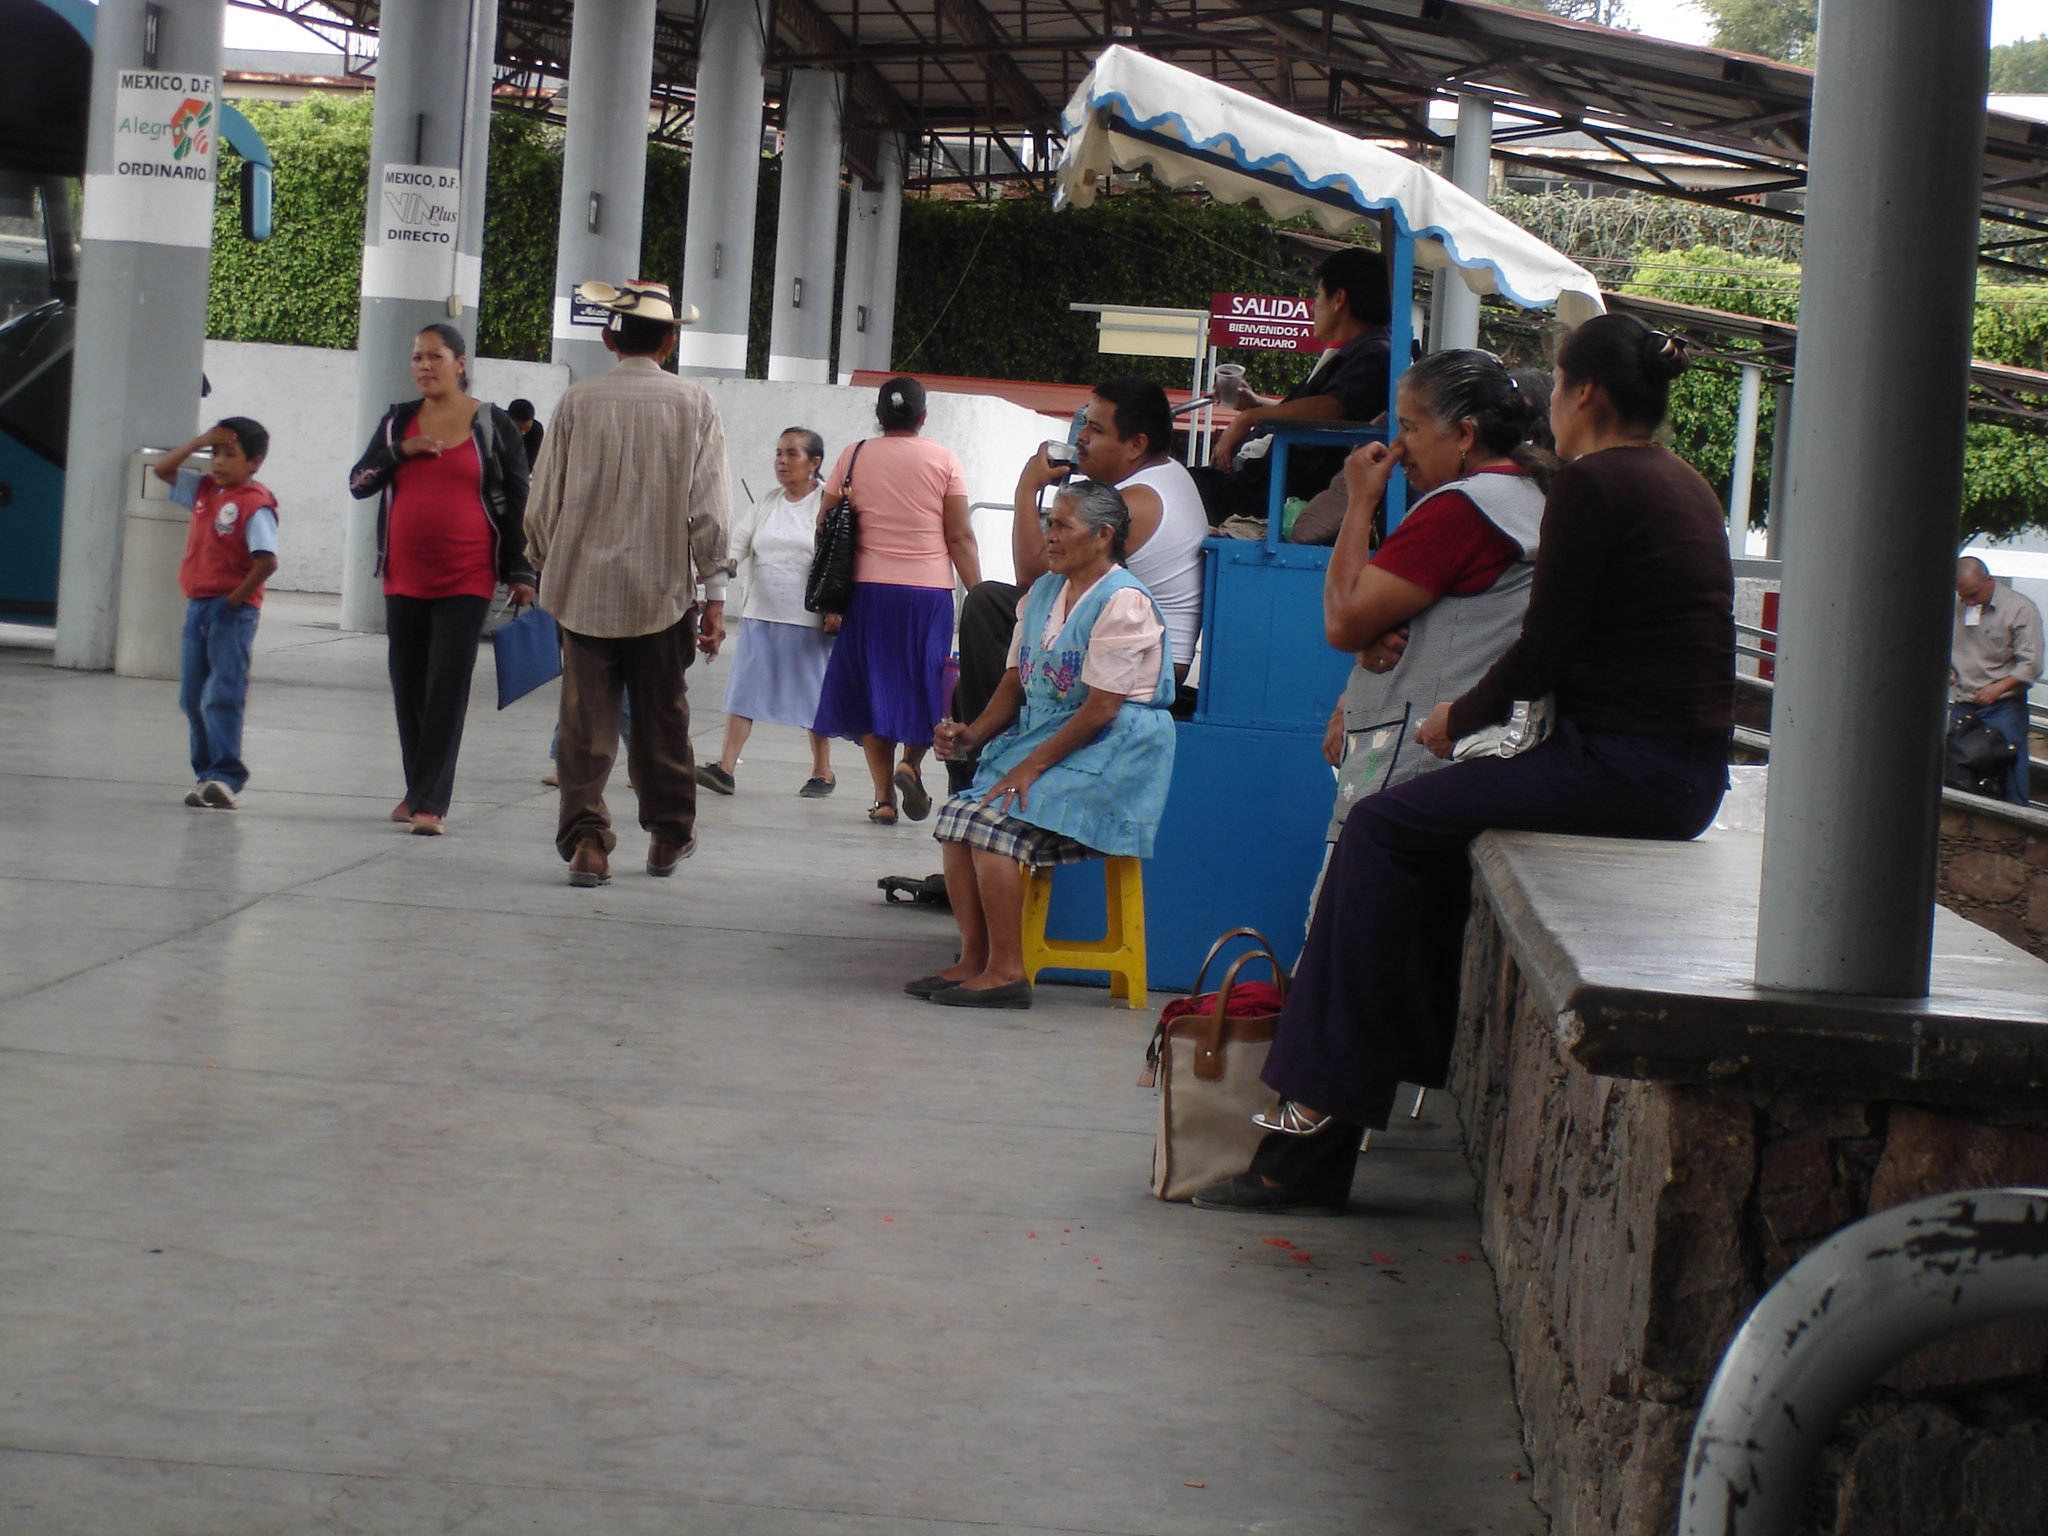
1351, 310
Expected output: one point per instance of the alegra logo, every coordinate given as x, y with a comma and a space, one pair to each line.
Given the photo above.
189, 125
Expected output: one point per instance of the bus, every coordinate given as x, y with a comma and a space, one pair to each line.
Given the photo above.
45, 97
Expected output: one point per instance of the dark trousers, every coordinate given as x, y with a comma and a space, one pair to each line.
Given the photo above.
433, 643
1375, 996
987, 620
596, 673
2008, 717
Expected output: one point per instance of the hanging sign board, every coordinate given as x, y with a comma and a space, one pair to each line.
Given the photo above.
159, 189
1262, 321
411, 252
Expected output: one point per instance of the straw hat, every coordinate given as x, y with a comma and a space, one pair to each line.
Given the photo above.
642, 300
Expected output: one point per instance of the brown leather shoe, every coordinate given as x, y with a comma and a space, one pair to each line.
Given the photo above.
663, 854
589, 865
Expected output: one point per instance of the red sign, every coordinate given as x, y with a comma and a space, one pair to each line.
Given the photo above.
1263, 321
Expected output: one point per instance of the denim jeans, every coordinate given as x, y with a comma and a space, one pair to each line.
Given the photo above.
2008, 717
214, 687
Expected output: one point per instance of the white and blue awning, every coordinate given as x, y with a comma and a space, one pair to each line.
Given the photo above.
1135, 112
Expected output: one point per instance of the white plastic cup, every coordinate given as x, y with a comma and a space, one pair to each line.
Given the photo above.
1228, 385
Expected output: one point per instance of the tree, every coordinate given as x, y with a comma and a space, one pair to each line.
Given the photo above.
1777, 29
2021, 67
1604, 13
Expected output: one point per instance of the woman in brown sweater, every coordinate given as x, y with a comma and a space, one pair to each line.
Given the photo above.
1630, 627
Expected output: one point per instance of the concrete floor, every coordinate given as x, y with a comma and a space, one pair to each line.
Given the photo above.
352, 1181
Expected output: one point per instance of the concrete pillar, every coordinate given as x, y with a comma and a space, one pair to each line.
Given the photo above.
1877, 468
1454, 318
142, 287
725, 184
604, 165
1781, 472
877, 351
423, 228
1747, 404
806, 230
857, 282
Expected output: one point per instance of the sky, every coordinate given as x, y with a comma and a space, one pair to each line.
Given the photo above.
1675, 19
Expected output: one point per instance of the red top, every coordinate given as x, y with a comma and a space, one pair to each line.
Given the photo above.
439, 541
217, 547
1448, 547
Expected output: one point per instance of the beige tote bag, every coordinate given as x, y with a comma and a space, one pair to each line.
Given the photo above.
1206, 1066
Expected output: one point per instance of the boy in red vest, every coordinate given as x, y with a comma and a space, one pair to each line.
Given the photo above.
229, 554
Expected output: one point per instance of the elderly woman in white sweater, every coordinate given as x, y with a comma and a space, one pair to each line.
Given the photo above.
779, 656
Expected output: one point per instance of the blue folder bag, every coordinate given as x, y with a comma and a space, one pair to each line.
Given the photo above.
529, 654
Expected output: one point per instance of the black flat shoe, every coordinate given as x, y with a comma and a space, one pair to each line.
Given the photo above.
817, 789
713, 778
925, 986
1248, 1194
1016, 995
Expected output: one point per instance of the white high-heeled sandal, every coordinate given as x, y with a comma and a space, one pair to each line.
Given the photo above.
1288, 1120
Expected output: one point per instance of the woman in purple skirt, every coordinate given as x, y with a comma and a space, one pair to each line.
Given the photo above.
883, 684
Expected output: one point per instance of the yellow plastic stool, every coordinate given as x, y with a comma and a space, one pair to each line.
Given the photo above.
1120, 952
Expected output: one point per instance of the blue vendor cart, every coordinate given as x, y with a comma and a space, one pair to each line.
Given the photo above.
1242, 838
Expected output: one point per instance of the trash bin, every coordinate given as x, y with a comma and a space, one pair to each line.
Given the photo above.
150, 622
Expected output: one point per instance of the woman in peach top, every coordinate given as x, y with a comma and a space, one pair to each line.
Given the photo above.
882, 687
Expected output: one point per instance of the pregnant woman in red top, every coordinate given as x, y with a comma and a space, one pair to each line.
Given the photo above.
452, 474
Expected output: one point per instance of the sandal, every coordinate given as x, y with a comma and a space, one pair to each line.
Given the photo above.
1289, 1120
882, 814
916, 803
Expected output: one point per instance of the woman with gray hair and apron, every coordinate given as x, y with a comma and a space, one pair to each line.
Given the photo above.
1445, 593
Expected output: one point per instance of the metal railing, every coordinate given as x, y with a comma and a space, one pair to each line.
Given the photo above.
1839, 1319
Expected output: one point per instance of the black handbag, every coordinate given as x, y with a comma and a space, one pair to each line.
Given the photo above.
829, 586
1976, 758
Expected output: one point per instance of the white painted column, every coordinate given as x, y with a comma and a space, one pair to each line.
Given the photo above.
1455, 307
877, 350
149, 185
604, 167
725, 187
423, 232
806, 230
1740, 486
856, 289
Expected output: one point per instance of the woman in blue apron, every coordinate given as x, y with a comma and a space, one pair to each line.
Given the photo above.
1076, 747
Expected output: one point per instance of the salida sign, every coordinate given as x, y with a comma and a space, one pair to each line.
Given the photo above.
1263, 321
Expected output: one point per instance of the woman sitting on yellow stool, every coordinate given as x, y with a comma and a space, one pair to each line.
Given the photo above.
1077, 747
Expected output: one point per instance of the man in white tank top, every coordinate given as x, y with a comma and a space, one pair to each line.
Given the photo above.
1126, 440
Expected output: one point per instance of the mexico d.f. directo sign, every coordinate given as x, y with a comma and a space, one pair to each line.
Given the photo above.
1264, 322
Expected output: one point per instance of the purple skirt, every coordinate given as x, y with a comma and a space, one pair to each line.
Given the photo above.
884, 678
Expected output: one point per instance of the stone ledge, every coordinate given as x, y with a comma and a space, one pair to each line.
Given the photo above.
1642, 951
1632, 1220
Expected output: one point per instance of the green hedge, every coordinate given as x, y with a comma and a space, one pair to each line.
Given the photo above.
985, 286
2005, 472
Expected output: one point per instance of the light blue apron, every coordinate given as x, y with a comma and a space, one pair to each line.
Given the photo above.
1111, 793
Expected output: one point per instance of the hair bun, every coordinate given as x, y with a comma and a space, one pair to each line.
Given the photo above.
1664, 354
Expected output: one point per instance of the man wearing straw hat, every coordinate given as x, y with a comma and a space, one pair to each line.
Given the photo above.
627, 515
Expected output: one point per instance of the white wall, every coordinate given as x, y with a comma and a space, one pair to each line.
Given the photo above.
993, 438
306, 397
